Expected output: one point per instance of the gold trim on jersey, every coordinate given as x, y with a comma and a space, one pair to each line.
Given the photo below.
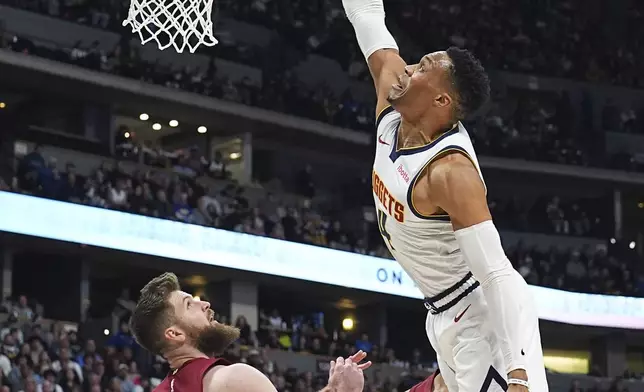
434, 140
410, 196
382, 113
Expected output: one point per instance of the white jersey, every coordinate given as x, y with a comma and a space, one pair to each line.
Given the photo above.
425, 246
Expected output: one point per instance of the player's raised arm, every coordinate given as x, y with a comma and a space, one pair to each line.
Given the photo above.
455, 186
377, 44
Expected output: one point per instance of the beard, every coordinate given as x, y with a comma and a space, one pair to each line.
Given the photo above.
213, 339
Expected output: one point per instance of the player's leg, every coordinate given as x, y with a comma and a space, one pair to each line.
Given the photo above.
476, 369
434, 326
476, 358
449, 377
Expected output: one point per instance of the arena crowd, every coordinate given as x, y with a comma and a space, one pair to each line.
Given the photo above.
519, 124
543, 38
183, 196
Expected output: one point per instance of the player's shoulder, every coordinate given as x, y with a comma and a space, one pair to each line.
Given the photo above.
238, 377
164, 386
454, 165
454, 154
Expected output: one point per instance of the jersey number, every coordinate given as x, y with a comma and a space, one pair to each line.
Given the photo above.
382, 221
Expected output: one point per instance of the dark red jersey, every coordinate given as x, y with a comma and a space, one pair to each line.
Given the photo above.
189, 377
425, 386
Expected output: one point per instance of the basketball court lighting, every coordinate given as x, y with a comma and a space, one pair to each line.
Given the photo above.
156, 126
174, 123
3, 105
235, 155
144, 117
127, 135
106, 332
632, 245
347, 324
202, 129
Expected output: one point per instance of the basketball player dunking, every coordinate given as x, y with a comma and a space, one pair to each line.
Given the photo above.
433, 215
172, 323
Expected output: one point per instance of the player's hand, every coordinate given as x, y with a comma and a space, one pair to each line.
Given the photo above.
345, 375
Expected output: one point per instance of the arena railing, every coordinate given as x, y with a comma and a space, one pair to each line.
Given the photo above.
204, 106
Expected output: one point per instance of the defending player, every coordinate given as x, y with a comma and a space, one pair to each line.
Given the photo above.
433, 215
172, 323
433, 383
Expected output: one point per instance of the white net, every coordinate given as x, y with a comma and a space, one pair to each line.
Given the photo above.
178, 23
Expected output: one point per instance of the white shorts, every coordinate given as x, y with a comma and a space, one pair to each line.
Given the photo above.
469, 357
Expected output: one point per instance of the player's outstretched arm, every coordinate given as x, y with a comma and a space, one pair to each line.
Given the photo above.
236, 378
344, 376
377, 44
456, 187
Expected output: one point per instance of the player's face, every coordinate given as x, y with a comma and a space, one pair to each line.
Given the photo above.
422, 83
197, 326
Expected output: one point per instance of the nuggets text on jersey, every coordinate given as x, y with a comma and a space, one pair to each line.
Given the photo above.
394, 208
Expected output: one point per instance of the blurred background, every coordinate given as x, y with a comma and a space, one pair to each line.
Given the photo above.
270, 134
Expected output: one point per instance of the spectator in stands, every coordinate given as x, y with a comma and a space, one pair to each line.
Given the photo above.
117, 195
216, 168
22, 376
275, 321
49, 178
364, 344
123, 338
34, 160
65, 365
182, 210
209, 208
161, 207
23, 313
246, 334
70, 189
125, 379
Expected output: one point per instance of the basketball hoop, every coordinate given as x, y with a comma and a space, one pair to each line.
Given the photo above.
178, 23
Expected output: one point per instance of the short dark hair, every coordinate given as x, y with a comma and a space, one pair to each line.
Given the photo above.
470, 81
153, 313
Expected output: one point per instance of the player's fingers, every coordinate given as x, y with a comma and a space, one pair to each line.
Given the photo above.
359, 356
356, 355
331, 368
339, 361
365, 366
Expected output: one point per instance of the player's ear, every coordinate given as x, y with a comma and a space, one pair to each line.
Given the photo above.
442, 100
174, 334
